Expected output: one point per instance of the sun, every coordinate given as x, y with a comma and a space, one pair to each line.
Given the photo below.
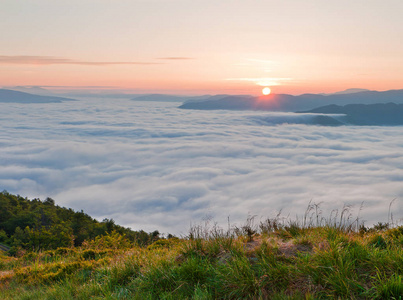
266, 91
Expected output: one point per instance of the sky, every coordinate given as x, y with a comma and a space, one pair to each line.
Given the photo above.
152, 166
202, 47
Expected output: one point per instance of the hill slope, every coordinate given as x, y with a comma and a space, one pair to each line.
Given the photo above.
39, 225
332, 259
10, 96
361, 114
284, 102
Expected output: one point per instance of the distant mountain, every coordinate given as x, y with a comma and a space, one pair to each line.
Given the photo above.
221, 102
284, 102
205, 97
36, 90
159, 98
172, 98
361, 114
10, 96
347, 91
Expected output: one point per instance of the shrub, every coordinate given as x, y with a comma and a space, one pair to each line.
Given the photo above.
46, 273
378, 241
164, 243
112, 240
64, 251
91, 254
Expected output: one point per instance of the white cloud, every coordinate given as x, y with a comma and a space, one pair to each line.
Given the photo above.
152, 166
51, 60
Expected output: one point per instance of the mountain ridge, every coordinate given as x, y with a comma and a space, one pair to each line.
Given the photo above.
290, 103
11, 96
361, 114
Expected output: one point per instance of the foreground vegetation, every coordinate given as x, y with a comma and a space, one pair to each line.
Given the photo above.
33, 225
274, 259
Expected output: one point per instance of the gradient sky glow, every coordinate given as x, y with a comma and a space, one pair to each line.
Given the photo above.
198, 47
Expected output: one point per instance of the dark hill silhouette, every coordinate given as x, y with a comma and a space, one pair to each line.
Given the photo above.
284, 102
35, 90
173, 98
347, 91
10, 96
221, 102
361, 114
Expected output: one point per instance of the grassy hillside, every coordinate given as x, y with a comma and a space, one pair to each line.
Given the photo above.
276, 259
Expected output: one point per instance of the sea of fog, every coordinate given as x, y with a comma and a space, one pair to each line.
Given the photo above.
153, 166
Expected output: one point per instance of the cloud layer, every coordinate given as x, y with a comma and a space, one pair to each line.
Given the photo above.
153, 166
52, 60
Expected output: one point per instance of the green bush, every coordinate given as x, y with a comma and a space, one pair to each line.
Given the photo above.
164, 243
378, 241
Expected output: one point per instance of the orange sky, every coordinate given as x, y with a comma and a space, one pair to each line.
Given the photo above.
200, 47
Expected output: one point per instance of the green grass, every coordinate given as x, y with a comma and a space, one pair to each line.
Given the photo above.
276, 259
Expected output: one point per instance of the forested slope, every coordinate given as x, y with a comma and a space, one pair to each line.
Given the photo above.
40, 225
